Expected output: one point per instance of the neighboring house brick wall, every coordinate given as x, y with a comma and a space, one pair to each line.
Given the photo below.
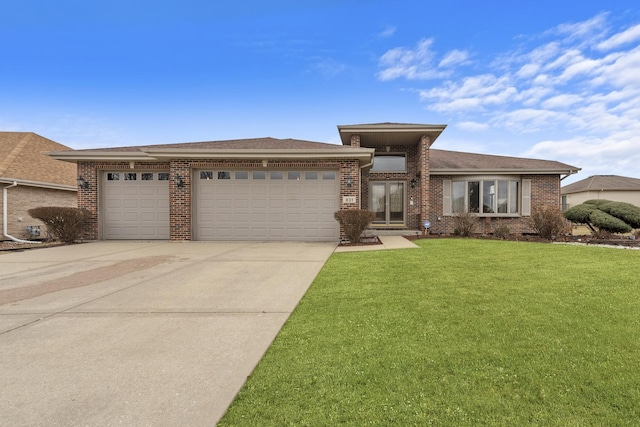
22, 198
545, 191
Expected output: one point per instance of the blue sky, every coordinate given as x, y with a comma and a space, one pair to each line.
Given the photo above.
557, 80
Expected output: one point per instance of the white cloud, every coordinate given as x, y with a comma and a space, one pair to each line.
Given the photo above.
455, 57
561, 101
387, 32
628, 36
473, 126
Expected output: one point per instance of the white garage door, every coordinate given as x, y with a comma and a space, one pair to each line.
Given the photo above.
135, 205
266, 205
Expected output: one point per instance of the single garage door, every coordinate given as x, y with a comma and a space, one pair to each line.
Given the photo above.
266, 205
135, 205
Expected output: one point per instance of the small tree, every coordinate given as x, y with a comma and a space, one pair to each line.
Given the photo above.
605, 215
62, 222
354, 222
547, 221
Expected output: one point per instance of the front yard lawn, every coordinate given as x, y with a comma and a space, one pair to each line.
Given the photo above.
460, 332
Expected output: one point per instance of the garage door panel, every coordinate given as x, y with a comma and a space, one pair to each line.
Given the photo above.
269, 205
135, 208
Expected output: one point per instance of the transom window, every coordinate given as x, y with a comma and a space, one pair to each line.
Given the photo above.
389, 163
487, 196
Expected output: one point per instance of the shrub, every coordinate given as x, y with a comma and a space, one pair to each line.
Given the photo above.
62, 222
502, 231
547, 221
464, 224
354, 222
607, 222
625, 211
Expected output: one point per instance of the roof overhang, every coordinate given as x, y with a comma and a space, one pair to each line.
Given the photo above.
166, 154
391, 134
48, 185
503, 171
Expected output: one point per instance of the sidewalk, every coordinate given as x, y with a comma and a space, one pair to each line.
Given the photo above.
386, 242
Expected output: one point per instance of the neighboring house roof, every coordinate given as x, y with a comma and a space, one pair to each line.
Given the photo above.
22, 161
261, 148
459, 163
603, 183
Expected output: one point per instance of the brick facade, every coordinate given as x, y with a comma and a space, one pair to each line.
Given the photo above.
22, 198
545, 191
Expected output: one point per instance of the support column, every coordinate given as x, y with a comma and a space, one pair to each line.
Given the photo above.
424, 171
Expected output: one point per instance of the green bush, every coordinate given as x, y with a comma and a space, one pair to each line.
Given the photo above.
63, 223
548, 221
610, 223
605, 215
625, 211
464, 224
354, 222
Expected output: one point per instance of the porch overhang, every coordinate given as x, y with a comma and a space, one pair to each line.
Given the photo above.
391, 134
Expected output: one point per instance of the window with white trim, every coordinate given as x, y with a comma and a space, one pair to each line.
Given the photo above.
486, 196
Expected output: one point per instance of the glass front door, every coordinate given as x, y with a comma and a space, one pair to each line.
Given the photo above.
387, 200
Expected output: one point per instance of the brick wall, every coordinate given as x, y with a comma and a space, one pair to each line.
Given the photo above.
545, 191
22, 198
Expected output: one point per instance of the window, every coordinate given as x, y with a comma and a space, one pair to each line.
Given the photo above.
276, 175
329, 175
146, 176
130, 176
485, 197
113, 176
259, 175
224, 175
206, 175
389, 163
310, 175
242, 175
163, 176
293, 176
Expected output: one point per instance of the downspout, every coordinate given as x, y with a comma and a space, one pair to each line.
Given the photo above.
4, 216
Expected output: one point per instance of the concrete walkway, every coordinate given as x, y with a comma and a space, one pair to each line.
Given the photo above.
386, 242
141, 333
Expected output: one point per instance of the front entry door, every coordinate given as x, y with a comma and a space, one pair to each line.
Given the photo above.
388, 202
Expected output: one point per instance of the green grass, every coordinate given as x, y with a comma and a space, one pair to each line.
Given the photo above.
459, 332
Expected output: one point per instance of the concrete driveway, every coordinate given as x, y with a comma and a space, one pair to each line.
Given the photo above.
141, 333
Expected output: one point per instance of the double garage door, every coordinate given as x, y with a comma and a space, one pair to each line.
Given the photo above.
227, 205
266, 205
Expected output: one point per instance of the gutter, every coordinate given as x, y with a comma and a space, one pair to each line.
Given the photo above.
4, 216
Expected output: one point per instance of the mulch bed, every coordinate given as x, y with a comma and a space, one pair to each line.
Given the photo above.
587, 240
364, 241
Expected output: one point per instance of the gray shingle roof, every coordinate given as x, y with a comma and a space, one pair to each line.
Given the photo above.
455, 161
603, 182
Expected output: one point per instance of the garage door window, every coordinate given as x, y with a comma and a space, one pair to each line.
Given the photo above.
242, 175
224, 175
275, 175
293, 176
130, 176
259, 175
329, 175
145, 176
163, 176
311, 175
113, 176
206, 174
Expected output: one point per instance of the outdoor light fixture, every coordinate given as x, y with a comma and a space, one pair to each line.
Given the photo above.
349, 181
179, 181
413, 182
82, 183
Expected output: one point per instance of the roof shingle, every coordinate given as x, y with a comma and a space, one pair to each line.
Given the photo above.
603, 182
21, 158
